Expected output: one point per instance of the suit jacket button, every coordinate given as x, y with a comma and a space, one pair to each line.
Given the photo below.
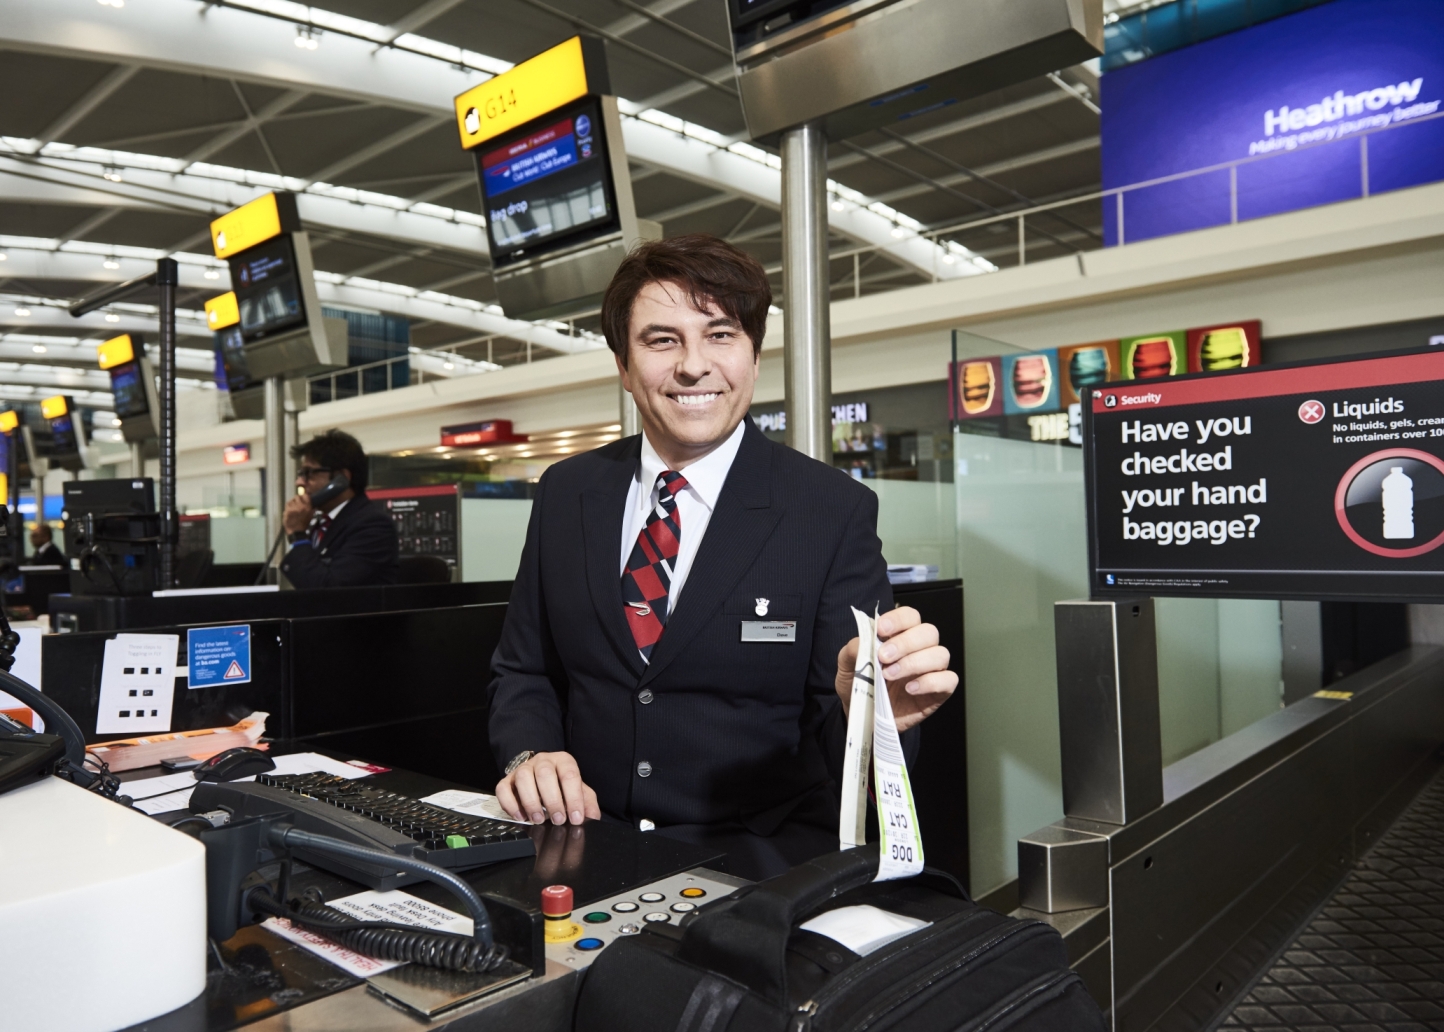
645, 696
644, 769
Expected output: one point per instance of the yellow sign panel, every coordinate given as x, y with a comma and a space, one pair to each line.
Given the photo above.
116, 351
9, 421
554, 77
246, 226
222, 311
54, 408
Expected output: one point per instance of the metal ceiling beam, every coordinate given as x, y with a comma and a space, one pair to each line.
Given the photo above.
90, 225
64, 181
385, 297
20, 347
692, 207
406, 134
252, 123
93, 98
1037, 157
55, 317
423, 15
938, 132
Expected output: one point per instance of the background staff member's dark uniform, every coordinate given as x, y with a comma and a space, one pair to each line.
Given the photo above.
716, 740
46, 553
359, 547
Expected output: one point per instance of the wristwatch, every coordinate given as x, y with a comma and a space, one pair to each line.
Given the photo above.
518, 760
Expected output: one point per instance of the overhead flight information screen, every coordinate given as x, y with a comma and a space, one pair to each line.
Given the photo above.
268, 293
1317, 481
129, 390
549, 185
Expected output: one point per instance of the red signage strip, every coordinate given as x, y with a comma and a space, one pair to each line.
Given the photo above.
413, 492
1363, 374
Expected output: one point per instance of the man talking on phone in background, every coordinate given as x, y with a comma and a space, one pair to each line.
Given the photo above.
336, 536
679, 647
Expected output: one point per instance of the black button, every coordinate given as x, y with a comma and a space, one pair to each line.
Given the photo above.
645, 696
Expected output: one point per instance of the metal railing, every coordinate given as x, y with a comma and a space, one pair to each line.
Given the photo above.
1118, 195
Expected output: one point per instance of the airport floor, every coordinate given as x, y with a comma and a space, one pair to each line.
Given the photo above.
1371, 959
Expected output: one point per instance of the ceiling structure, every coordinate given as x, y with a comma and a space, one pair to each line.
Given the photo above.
126, 125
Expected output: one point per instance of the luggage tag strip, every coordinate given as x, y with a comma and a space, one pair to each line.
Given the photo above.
871, 729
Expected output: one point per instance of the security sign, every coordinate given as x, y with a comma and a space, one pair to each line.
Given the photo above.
219, 655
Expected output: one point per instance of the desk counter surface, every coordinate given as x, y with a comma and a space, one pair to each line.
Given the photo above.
267, 984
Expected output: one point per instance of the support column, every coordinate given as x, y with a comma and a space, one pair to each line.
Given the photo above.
137, 458
167, 277
807, 339
275, 418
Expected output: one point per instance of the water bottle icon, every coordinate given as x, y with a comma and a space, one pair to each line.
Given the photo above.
1398, 498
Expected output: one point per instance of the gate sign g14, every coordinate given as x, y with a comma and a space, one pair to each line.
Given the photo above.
1319, 481
219, 655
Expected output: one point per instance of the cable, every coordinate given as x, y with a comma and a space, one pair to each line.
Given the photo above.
284, 836
446, 950
54, 717
269, 556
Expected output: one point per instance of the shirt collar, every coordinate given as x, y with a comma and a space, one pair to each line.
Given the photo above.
336, 511
705, 476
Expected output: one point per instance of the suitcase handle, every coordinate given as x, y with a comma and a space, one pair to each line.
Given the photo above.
744, 937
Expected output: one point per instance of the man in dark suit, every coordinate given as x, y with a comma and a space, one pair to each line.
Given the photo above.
632, 677
350, 541
46, 554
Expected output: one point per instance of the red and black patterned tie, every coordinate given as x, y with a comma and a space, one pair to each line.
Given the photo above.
648, 577
319, 530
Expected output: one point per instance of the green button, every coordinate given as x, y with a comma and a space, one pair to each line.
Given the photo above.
456, 842
597, 917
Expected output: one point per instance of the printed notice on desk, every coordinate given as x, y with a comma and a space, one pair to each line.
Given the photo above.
396, 907
137, 684
477, 804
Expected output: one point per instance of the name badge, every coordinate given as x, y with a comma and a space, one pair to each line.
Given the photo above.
769, 630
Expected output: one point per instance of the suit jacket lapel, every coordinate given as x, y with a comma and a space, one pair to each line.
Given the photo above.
739, 527
604, 504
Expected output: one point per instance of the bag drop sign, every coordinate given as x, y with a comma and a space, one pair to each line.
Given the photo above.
1323, 480
219, 655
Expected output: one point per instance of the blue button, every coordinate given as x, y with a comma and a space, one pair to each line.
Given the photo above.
589, 944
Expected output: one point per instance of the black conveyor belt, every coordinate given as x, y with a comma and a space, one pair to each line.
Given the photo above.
1372, 957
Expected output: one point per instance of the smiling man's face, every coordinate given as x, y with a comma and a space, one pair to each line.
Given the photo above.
691, 372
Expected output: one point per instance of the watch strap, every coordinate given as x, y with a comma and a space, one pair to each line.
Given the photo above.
518, 760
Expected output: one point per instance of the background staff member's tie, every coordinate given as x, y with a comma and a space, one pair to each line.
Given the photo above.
648, 576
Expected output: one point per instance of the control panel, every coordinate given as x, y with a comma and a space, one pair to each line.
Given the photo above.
597, 925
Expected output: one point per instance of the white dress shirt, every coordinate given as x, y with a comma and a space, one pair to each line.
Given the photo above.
695, 503
315, 522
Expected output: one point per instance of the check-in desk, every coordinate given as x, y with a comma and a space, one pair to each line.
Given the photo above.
264, 983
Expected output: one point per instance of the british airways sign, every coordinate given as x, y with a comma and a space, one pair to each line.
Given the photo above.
1330, 104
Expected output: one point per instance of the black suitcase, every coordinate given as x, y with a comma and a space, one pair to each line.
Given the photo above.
741, 964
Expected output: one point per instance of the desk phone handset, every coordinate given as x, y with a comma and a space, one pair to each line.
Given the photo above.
334, 488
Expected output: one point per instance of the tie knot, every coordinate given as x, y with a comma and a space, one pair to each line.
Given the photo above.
669, 482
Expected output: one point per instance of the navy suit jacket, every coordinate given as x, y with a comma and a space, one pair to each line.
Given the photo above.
359, 549
734, 732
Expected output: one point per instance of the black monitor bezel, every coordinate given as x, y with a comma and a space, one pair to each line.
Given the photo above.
243, 292
590, 105
132, 366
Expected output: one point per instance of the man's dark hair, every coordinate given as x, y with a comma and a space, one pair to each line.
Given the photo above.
335, 450
43, 529
710, 270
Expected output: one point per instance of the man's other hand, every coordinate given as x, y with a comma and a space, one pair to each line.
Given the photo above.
914, 664
296, 517
548, 785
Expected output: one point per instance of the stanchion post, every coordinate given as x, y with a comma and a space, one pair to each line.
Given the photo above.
807, 343
167, 277
275, 456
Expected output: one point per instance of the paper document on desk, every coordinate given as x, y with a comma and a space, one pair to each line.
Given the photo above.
476, 804
396, 907
871, 729
173, 791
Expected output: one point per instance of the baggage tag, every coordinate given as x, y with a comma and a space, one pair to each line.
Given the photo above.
871, 729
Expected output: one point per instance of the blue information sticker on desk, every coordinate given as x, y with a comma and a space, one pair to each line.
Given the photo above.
219, 655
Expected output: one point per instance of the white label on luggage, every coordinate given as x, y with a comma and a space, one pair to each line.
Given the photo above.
902, 846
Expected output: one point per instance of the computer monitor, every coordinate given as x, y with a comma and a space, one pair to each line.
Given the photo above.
112, 535
549, 185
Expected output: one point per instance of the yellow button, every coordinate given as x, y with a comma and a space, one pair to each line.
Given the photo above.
693, 893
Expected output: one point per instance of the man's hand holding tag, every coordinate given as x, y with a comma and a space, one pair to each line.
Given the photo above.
914, 665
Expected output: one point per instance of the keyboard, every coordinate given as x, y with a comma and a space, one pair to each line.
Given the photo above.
365, 815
